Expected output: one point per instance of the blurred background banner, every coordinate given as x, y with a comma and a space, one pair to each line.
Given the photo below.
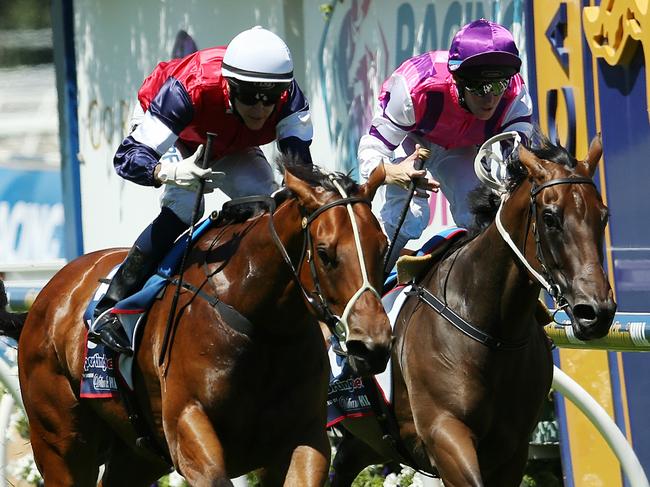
31, 215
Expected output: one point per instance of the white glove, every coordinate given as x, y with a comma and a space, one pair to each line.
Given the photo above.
186, 174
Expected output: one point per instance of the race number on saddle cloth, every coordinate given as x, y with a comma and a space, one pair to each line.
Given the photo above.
350, 396
103, 367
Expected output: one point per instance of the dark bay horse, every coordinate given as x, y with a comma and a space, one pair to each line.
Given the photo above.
466, 402
229, 401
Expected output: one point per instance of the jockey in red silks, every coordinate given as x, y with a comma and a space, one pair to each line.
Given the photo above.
246, 94
448, 102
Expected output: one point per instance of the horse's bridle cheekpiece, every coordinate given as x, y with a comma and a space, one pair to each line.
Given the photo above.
338, 325
547, 281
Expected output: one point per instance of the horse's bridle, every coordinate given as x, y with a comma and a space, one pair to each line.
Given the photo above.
547, 281
338, 325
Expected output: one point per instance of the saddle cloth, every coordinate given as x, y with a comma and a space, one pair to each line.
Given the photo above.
348, 395
103, 367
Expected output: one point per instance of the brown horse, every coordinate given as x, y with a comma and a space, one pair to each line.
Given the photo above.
467, 397
229, 401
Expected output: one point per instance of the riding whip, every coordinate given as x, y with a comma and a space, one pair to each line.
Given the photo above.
207, 150
418, 164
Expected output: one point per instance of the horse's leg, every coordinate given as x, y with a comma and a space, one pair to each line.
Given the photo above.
512, 471
58, 467
127, 467
451, 447
65, 455
307, 466
352, 456
199, 453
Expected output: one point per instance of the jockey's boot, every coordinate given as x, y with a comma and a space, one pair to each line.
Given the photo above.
107, 327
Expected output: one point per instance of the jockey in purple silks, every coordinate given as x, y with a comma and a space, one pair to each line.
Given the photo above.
246, 94
448, 102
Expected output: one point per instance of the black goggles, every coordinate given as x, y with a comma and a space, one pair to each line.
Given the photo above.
252, 94
485, 87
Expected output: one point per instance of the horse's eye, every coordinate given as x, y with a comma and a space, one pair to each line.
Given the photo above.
326, 258
551, 220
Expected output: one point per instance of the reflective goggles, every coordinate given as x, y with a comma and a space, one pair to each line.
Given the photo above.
252, 93
485, 87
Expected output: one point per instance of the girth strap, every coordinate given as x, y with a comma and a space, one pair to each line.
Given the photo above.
461, 324
230, 315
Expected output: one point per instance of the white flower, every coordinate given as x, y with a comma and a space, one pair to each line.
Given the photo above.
25, 468
391, 480
176, 480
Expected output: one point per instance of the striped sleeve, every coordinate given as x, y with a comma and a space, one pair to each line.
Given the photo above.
169, 113
394, 119
294, 131
295, 117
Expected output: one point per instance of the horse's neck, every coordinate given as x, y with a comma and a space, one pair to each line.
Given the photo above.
258, 282
487, 272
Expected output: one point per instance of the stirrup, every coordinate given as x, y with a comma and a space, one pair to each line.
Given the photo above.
108, 330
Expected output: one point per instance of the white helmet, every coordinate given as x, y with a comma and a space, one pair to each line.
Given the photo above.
258, 55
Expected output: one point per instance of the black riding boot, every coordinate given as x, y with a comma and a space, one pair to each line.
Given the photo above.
107, 327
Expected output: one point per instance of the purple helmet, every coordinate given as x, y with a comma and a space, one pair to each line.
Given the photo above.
483, 50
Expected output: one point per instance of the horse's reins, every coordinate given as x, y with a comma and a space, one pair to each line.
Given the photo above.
546, 280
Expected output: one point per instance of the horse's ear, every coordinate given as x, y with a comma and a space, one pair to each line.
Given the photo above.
593, 154
376, 179
306, 194
533, 164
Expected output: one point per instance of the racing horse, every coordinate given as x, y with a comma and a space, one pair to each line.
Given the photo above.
467, 397
228, 399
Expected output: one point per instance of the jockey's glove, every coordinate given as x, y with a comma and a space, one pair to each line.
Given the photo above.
186, 174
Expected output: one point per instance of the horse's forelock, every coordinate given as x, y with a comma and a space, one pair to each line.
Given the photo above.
545, 149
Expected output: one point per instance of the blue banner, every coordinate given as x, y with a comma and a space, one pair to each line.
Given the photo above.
31, 216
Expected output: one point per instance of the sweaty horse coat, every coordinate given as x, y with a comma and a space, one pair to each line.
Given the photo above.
230, 402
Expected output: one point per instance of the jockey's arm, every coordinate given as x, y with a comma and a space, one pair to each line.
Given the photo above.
137, 159
518, 116
389, 128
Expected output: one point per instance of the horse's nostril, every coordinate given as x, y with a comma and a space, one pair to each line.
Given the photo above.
584, 312
357, 347
366, 359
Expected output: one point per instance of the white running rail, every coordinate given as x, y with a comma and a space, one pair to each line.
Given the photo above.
630, 464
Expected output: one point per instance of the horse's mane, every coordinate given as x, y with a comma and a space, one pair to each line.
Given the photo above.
309, 173
484, 202
314, 175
